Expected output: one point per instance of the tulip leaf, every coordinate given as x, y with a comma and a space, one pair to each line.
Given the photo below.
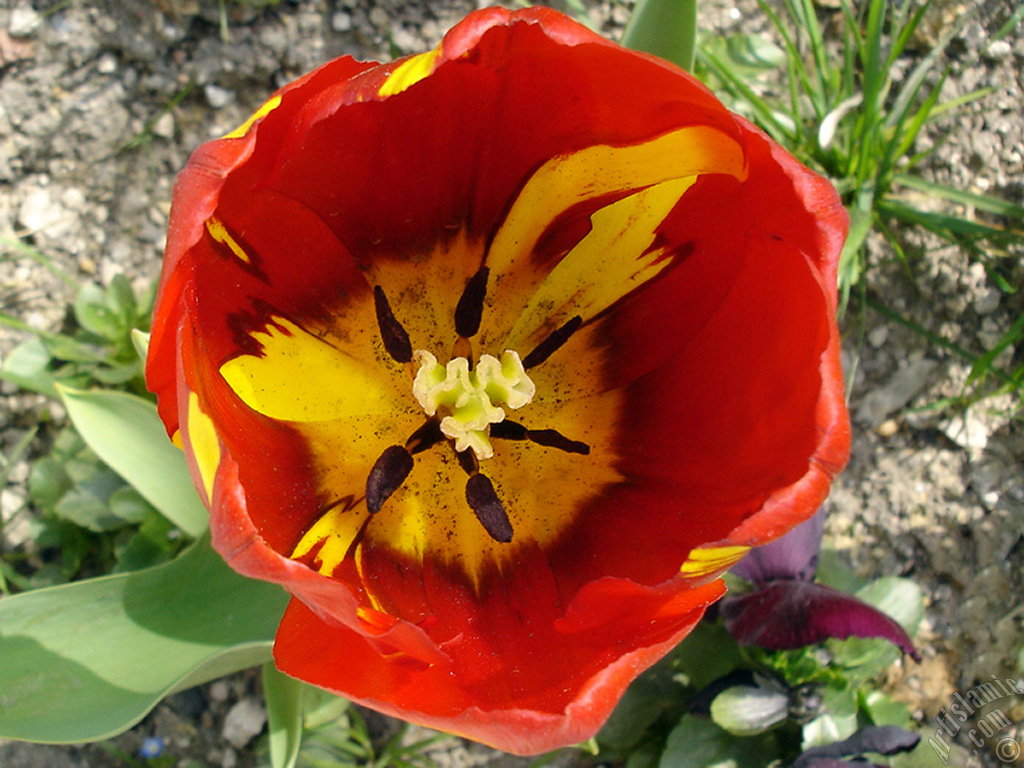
125, 431
284, 697
87, 660
665, 28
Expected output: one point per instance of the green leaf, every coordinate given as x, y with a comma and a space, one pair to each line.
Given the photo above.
125, 431
129, 505
708, 653
48, 481
88, 660
284, 697
140, 340
665, 28
838, 722
642, 704
93, 313
902, 599
28, 366
747, 710
87, 511
699, 743
883, 710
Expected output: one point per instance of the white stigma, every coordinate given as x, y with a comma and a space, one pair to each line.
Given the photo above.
472, 400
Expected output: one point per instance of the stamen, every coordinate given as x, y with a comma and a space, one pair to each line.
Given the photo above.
552, 438
468, 461
396, 340
387, 476
508, 430
549, 438
471, 304
425, 437
550, 345
488, 508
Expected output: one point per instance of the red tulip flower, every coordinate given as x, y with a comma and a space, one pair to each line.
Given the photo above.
495, 358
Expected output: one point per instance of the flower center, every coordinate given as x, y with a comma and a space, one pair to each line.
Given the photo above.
465, 404
471, 399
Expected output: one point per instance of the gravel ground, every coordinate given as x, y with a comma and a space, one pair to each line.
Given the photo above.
101, 101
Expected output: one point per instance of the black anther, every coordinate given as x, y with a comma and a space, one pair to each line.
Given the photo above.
396, 340
387, 476
508, 430
550, 345
471, 304
552, 438
488, 508
427, 436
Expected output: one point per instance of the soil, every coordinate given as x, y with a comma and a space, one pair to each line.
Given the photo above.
101, 102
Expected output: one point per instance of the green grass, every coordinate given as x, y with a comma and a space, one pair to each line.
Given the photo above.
840, 111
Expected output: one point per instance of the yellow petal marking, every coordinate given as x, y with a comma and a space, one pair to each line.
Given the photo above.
613, 259
410, 72
302, 377
337, 529
704, 561
269, 106
562, 182
220, 233
204, 443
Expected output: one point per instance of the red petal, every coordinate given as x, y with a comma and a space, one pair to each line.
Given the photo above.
553, 690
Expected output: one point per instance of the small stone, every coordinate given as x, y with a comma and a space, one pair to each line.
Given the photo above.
86, 265
218, 97
341, 21
987, 302
900, 389
379, 17
878, 335
219, 691
24, 21
887, 428
967, 431
243, 722
39, 212
998, 50
107, 65
164, 126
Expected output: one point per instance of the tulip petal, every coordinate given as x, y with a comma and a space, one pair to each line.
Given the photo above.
531, 710
793, 614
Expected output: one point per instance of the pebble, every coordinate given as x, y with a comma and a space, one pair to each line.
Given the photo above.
219, 691
910, 379
966, 430
164, 126
107, 65
998, 50
24, 21
987, 302
878, 335
379, 17
218, 97
887, 428
243, 722
341, 21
